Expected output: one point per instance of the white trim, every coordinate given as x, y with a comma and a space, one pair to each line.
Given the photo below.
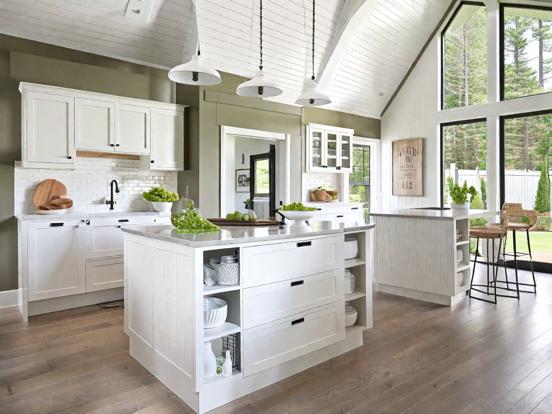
9, 298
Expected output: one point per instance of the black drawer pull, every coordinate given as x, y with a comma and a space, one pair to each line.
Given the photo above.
304, 244
56, 224
296, 321
354, 208
297, 283
340, 216
123, 220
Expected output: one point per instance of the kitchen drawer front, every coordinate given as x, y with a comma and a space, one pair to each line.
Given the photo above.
104, 241
267, 303
270, 345
278, 262
104, 274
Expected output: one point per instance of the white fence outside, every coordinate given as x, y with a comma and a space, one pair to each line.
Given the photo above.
521, 186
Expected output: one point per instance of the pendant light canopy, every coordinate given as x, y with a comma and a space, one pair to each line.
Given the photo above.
195, 72
311, 95
259, 86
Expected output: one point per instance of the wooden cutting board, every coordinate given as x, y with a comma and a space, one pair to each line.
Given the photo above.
224, 222
48, 190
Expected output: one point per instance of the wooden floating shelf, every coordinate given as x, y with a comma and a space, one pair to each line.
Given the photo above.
227, 328
354, 262
211, 290
354, 295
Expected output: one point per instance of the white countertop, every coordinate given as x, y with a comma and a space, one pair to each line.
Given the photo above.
448, 214
82, 214
246, 234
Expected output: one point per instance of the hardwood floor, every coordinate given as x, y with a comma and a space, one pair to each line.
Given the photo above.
419, 358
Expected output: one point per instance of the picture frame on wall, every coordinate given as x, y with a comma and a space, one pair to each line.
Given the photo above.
408, 167
243, 181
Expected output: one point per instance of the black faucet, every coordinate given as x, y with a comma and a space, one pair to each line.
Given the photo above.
112, 202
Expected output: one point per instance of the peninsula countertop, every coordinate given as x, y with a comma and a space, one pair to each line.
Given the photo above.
436, 213
230, 235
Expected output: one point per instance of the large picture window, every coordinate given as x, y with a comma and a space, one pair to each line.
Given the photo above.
464, 158
526, 52
464, 57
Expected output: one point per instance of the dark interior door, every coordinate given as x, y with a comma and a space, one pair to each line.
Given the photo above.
263, 177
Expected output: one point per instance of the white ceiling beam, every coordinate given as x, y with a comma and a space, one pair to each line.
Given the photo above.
353, 15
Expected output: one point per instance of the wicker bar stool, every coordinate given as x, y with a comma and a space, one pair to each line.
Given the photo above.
490, 235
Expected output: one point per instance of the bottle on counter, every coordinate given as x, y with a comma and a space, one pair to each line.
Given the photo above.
227, 366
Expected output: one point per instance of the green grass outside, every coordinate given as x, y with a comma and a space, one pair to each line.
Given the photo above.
541, 241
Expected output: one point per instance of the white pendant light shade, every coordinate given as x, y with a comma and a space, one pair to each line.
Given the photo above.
259, 87
312, 96
194, 72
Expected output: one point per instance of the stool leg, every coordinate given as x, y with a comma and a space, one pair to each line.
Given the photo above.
496, 265
488, 268
504, 258
514, 239
531, 258
474, 265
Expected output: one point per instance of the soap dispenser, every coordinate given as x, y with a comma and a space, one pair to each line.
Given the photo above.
227, 366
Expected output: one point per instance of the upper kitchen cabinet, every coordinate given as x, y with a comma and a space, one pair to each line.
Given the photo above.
47, 129
167, 139
329, 149
58, 122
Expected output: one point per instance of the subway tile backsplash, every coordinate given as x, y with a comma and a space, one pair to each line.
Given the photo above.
88, 184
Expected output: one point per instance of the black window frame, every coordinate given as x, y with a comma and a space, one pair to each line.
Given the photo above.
501, 53
442, 149
443, 32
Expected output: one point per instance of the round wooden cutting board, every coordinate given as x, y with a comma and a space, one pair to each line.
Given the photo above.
48, 190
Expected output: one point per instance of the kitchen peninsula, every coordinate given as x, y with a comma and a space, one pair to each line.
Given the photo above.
285, 314
423, 253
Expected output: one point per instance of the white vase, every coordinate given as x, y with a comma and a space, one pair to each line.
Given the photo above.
227, 366
461, 207
162, 206
209, 361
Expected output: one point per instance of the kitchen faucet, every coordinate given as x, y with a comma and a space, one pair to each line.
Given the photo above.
112, 202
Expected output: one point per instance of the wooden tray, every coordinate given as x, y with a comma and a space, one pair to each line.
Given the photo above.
224, 222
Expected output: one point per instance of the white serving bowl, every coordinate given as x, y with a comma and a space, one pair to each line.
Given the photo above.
215, 311
299, 215
350, 315
162, 206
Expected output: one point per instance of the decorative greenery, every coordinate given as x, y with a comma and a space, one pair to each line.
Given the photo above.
248, 204
460, 195
191, 221
542, 199
296, 207
160, 194
483, 188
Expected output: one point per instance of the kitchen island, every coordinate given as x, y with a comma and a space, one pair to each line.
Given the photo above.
424, 253
286, 313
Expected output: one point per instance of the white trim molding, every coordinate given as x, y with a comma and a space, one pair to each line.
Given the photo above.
10, 298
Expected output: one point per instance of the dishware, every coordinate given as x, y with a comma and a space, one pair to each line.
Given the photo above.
351, 315
349, 282
209, 275
215, 311
351, 249
162, 206
459, 256
228, 270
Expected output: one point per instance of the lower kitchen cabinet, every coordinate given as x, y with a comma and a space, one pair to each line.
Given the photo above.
104, 274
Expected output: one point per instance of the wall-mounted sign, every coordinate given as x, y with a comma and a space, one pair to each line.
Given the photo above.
408, 167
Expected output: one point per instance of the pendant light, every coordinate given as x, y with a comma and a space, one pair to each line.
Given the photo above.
311, 95
195, 72
259, 86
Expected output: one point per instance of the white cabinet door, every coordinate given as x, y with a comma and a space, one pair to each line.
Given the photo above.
103, 241
49, 135
315, 151
132, 126
345, 152
167, 139
94, 125
104, 274
54, 261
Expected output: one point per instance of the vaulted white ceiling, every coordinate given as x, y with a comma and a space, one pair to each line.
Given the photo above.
378, 50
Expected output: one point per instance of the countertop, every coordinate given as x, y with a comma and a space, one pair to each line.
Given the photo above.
81, 215
436, 214
231, 235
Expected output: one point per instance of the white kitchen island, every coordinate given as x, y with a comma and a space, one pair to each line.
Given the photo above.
286, 314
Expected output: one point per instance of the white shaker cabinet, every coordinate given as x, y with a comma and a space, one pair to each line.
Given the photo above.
329, 149
53, 259
48, 130
132, 129
94, 125
167, 139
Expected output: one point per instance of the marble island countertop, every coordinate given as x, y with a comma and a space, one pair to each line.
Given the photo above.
71, 215
231, 235
436, 213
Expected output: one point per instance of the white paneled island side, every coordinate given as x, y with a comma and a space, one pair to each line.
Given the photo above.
285, 314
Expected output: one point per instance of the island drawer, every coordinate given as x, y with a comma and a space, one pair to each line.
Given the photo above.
273, 344
284, 261
267, 303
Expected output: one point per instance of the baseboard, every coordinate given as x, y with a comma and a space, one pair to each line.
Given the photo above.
418, 295
9, 298
74, 301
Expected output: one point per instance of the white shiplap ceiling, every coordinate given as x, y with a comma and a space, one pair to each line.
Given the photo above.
379, 54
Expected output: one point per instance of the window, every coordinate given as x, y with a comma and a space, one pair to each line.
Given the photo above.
464, 57
359, 177
464, 158
262, 177
526, 52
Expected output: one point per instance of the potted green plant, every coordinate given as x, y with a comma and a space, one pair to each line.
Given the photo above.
459, 195
161, 199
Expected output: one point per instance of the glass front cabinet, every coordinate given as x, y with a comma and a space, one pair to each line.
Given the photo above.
329, 149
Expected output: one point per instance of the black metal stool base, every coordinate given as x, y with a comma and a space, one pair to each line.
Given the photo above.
517, 254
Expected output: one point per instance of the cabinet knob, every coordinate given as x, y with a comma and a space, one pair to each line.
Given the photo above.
69, 157
111, 145
337, 168
117, 145
152, 161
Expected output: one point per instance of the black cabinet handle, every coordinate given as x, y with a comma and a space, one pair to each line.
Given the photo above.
324, 166
337, 168
296, 321
152, 161
117, 145
297, 283
56, 224
340, 216
123, 220
354, 208
111, 145
304, 244
69, 157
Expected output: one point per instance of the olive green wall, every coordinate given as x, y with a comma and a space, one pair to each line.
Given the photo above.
364, 127
26, 61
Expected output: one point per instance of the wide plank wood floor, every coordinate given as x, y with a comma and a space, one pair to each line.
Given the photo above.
419, 358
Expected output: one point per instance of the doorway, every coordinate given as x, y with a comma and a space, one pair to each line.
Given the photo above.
262, 194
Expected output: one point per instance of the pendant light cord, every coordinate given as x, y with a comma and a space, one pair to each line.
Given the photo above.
194, 11
261, 35
313, 24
